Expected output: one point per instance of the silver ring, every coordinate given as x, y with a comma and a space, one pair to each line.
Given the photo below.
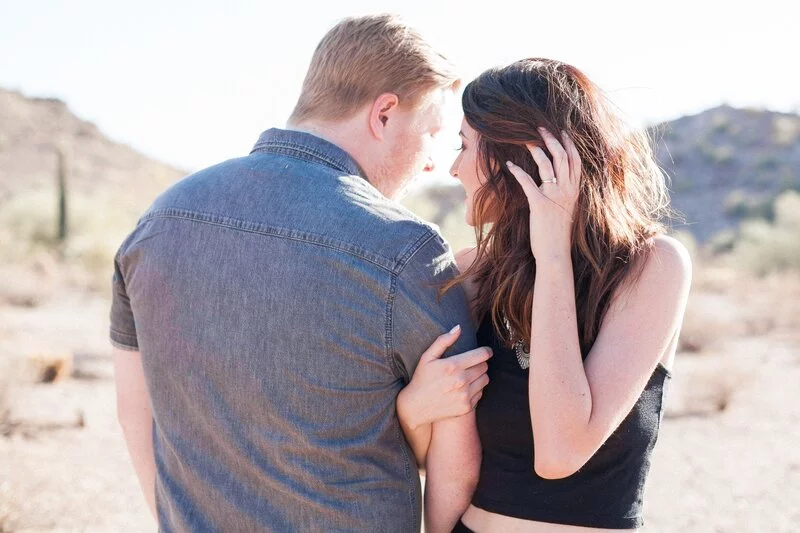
550, 181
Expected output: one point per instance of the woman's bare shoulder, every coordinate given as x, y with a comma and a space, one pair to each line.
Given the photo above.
465, 257
670, 258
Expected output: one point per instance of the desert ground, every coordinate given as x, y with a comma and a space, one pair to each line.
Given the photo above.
727, 460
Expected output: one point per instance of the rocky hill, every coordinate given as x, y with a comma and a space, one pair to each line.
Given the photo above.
725, 163
33, 129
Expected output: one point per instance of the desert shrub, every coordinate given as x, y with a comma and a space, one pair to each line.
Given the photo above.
768, 162
28, 231
721, 123
709, 388
739, 204
688, 240
722, 242
785, 130
703, 327
443, 206
764, 247
8, 374
717, 155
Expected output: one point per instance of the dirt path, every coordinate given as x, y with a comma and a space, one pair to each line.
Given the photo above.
737, 470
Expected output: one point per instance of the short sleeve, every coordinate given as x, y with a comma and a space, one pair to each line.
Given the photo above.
421, 313
123, 325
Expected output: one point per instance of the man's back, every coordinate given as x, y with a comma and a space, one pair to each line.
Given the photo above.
280, 303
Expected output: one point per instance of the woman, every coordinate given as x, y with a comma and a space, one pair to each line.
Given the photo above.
578, 292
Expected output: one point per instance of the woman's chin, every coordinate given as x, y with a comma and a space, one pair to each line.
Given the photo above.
468, 217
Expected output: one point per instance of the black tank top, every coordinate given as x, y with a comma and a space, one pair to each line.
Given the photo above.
605, 493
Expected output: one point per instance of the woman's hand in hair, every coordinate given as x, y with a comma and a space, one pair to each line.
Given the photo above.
552, 203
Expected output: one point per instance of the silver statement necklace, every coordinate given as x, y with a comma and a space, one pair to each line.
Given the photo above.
523, 354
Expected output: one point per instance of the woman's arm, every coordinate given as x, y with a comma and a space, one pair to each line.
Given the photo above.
454, 462
439, 389
592, 399
575, 406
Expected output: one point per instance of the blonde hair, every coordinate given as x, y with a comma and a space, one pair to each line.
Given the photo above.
363, 57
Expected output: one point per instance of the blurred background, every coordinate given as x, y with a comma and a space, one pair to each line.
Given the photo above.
103, 104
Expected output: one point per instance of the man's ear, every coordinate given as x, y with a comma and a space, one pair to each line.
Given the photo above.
383, 109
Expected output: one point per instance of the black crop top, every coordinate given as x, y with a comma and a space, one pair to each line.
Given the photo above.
605, 493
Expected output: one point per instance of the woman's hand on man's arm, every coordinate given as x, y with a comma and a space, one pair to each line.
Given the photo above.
441, 389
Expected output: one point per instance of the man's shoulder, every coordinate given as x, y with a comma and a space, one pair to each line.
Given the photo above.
313, 202
200, 181
397, 231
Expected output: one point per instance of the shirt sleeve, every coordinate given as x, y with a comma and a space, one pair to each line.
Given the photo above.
123, 325
420, 313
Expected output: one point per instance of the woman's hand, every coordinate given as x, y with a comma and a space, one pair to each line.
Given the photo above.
444, 388
552, 204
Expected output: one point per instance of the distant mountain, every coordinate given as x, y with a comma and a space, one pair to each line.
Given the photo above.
727, 164
31, 130
724, 164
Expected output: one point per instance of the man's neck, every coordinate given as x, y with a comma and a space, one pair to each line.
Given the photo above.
347, 136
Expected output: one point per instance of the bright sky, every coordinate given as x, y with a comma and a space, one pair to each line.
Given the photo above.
194, 82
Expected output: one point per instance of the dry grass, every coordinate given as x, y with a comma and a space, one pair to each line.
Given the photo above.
7, 378
11, 375
767, 247
444, 206
733, 314
707, 386
35, 263
29, 284
727, 303
51, 367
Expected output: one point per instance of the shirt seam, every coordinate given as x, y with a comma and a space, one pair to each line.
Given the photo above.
272, 231
389, 341
413, 249
120, 332
287, 149
117, 342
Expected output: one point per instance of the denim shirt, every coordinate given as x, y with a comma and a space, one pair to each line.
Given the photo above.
280, 303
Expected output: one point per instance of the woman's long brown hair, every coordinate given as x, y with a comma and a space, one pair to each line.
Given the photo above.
620, 206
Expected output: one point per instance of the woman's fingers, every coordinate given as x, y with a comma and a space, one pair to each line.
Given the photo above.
525, 181
440, 345
475, 399
473, 373
560, 158
469, 359
545, 166
575, 163
477, 386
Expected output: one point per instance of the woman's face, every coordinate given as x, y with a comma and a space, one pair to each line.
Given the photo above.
465, 168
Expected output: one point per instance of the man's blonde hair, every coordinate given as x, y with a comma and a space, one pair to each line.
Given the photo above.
363, 57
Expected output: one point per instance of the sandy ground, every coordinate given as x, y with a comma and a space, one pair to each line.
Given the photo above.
728, 458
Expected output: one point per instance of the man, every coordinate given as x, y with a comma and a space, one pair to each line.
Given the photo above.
268, 310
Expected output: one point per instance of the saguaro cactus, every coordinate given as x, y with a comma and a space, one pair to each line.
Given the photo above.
63, 178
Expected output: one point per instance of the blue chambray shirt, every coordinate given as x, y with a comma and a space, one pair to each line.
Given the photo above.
280, 303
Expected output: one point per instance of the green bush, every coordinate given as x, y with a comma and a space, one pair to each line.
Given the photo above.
443, 206
723, 242
740, 205
717, 155
765, 247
